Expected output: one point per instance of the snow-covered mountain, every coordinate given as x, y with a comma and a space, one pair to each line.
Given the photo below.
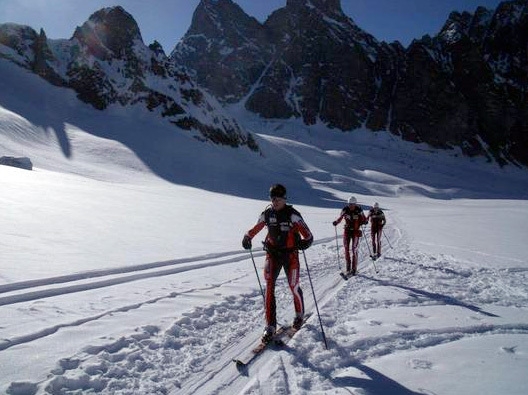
106, 62
465, 87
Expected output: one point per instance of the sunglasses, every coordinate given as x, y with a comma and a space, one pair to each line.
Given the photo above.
277, 199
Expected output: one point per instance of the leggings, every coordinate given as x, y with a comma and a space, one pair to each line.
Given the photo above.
375, 233
274, 263
347, 237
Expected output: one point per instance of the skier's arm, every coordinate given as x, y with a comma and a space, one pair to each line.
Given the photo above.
301, 228
363, 219
246, 241
338, 220
257, 228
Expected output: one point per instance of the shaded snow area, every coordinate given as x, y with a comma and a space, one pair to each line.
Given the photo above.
122, 271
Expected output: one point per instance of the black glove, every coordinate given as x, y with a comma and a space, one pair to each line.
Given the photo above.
334, 223
304, 244
246, 242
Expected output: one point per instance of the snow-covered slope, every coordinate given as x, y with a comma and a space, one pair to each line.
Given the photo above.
107, 64
121, 269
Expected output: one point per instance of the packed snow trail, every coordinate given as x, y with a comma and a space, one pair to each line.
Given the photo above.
193, 353
33, 331
324, 269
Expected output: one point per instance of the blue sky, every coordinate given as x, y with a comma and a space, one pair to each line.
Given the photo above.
168, 20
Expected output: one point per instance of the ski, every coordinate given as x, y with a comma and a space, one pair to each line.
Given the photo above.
259, 349
345, 277
276, 342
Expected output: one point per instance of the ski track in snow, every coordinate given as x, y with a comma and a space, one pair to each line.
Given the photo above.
110, 277
80, 282
183, 357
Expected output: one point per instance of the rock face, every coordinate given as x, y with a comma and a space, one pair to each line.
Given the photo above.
308, 60
322, 68
22, 162
465, 87
106, 62
226, 49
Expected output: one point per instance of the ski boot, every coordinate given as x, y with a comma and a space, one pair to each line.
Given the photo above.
297, 322
267, 335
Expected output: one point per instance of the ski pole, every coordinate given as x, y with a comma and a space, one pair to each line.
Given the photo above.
337, 250
366, 242
370, 253
388, 241
315, 300
256, 272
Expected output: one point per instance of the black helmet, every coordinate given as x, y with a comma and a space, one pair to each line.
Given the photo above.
277, 190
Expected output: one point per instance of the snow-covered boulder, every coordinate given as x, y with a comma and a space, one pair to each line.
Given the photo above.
22, 163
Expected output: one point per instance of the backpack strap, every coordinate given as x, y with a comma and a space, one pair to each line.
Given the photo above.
289, 211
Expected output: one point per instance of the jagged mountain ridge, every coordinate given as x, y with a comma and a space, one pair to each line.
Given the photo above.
468, 89
464, 87
106, 62
232, 42
287, 82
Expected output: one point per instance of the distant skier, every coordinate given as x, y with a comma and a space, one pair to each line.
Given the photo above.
377, 222
354, 218
287, 233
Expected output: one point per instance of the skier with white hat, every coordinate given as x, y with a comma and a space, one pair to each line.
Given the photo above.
354, 218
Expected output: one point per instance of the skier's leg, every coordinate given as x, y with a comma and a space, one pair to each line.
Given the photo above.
271, 272
346, 246
373, 239
378, 234
292, 272
355, 245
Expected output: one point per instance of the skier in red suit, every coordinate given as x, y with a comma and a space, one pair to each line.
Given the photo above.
377, 222
354, 218
287, 233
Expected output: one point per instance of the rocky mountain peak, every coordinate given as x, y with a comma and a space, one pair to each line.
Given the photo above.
106, 63
223, 38
327, 6
213, 17
456, 26
109, 31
